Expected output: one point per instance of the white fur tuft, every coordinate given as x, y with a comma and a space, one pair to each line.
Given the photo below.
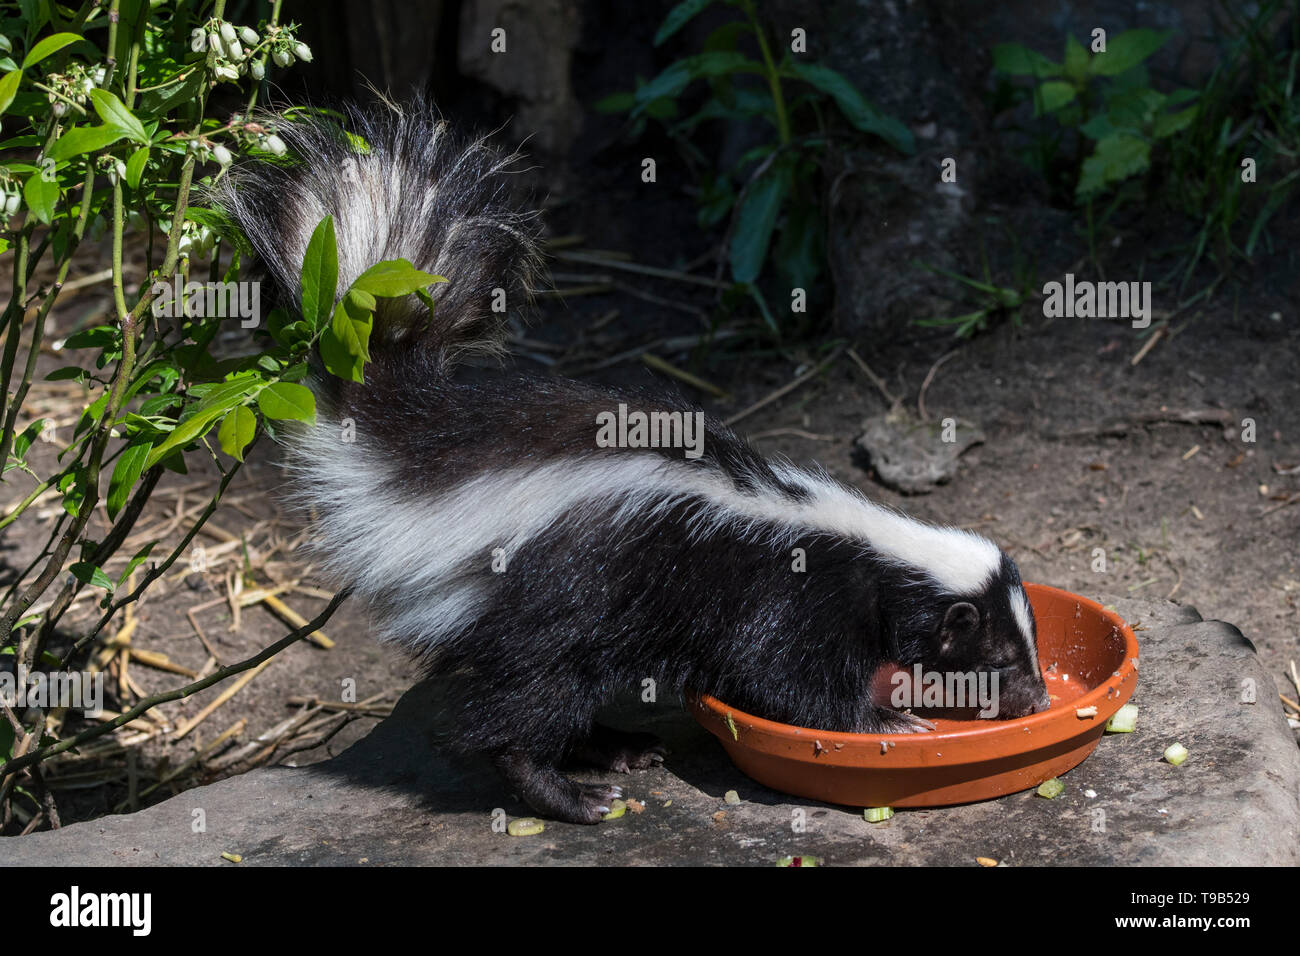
1024, 620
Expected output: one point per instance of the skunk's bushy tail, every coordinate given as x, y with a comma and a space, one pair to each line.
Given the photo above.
400, 185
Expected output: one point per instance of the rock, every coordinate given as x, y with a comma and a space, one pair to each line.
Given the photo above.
911, 456
534, 69
391, 799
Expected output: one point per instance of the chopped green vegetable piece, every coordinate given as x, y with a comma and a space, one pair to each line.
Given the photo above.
616, 809
877, 814
1051, 789
731, 725
525, 826
731, 797
1176, 754
1124, 721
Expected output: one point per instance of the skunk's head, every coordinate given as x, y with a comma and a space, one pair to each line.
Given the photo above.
982, 630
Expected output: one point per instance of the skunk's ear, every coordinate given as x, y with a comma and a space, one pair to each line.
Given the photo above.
960, 624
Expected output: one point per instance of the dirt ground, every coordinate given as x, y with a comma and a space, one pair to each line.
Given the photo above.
1084, 450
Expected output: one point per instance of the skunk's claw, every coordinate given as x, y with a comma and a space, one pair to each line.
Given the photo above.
902, 722
619, 750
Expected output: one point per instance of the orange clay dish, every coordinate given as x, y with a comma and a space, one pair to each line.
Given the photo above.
1089, 657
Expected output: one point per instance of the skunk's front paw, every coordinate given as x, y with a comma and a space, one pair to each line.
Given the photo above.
899, 722
554, 795
619, 750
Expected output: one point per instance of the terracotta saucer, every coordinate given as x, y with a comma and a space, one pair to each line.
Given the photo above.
1089, 656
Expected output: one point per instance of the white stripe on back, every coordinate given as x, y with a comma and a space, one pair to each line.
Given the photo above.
379, 536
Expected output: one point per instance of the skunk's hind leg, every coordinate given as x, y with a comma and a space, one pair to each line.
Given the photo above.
551, 793
619, 750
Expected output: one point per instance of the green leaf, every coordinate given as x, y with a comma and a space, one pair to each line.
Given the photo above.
392, 278
135, 562
125, 474
1172, 123
800, 249
222, 225
755, 221
48, 46
856, 108
678, 17
8, 87
1116, 158
114, 113
345, 342
237, 428
286, 401
224, 395
66, 373
41, 196
1019, 60
320, 274
1098, 127
161, 102
1076, 59
29, 434
184, 433
1128, 50
616, 103
135, 166
352, 322
338, 360
87, 573
215, 402
83, 139
1052, 95
677, 76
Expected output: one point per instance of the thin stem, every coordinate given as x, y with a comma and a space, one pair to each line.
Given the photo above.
111, 59
273, 22
773, 76
36, 756
60, 96
14, 315
38, 329
157, 571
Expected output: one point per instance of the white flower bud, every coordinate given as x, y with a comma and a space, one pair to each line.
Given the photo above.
216, 45
227, 32
234, 49
120, 169
100, 73
227, 72
198, 40
248, 35
257, 69
222, 155
58, 109
12, 204
282, 58
302, 51
275, 145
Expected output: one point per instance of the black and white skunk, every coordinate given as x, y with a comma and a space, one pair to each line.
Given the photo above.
540, 573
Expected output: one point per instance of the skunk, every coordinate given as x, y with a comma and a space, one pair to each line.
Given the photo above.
539, 573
